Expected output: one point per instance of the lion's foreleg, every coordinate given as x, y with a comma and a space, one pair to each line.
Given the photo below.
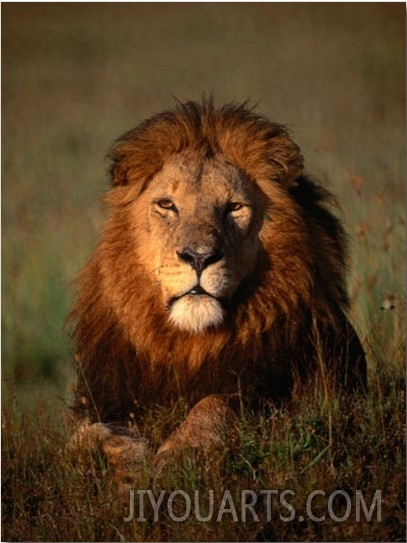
210, 424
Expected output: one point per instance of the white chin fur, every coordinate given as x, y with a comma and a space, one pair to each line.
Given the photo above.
196, 313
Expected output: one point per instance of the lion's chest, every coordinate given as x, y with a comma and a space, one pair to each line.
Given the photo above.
192, 376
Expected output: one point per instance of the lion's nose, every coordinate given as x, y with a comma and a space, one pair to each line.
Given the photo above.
199, 261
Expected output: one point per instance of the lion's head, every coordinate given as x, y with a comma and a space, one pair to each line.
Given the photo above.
204, 190
218, 262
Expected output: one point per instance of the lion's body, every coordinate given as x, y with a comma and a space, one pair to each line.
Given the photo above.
221, 271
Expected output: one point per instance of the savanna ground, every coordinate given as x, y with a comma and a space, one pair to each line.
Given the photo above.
76, 76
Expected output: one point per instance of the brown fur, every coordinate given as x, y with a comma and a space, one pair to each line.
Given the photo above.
286, 320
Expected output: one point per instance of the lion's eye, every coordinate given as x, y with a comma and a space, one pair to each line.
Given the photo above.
234, 206
165, 203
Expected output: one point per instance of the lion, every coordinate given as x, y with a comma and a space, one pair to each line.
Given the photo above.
219, 279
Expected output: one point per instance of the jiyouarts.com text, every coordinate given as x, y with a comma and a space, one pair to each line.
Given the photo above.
248, 505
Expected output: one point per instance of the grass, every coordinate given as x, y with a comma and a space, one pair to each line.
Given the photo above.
77, 75
51, 495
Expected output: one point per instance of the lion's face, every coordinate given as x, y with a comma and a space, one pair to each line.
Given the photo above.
200, 236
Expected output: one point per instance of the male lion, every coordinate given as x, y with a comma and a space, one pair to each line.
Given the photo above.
220, 274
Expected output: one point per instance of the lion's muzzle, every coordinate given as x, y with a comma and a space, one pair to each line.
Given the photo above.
196, 310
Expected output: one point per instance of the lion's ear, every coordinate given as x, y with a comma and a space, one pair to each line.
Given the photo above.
127, 170
286, 155
118, 175
133, 162
122, 166
118, 156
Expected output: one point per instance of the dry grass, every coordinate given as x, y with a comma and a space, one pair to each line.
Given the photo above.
50, 494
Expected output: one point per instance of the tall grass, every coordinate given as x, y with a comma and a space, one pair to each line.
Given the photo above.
77, 75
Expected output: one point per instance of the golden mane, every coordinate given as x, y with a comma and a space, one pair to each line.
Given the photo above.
130, 357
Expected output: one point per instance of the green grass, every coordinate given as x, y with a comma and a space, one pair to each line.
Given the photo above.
77, 75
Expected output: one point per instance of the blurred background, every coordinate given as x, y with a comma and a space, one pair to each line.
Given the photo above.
75, 76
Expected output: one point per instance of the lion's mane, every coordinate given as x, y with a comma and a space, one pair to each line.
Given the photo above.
290, 310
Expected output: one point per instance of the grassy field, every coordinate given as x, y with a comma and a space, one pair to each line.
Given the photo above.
77, 75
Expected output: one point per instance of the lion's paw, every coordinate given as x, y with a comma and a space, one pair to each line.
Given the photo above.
125, 452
